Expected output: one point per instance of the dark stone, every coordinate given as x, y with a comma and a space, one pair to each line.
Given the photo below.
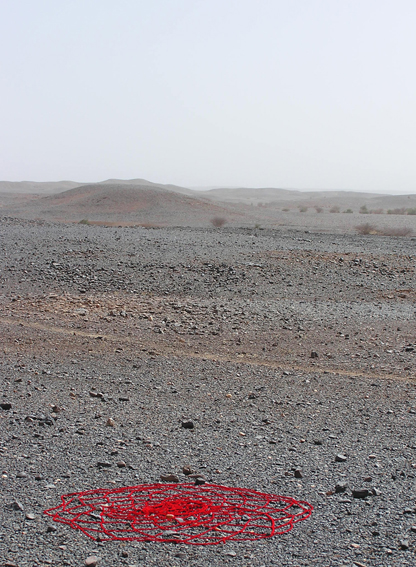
187, 424
361, 493
5, 406
103, 464
340, 487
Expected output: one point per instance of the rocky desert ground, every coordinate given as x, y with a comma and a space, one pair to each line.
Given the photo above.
290, 351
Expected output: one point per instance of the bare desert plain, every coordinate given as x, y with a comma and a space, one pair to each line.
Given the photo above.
275, 353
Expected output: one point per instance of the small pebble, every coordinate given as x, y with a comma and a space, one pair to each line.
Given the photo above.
110, 422
169, 478
340, 458
92, 561
187, 424
361, 493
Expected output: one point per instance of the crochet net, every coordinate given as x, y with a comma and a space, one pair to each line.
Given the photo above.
182, 513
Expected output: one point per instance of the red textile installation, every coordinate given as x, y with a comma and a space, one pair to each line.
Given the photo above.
182, 513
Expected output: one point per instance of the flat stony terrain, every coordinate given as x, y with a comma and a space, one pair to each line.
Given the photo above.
292, 353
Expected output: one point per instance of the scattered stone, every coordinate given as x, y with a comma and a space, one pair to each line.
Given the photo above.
361, 493
187, 470
92, 561
30, 516
314, 354
16, 505
404, 544
110, 422
123, 399
169, 477
6, 406
317, 442
368, 479
188, 424
375, 492
298, 473
199, 481
50, 528
121, 464
340, 487
230, 553
103, 464
409, 511
124, 554
340, 458
413, 528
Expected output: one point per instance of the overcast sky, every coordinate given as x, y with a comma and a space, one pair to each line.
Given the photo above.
295, 93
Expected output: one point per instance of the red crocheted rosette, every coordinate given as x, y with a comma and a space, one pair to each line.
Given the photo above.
183, 513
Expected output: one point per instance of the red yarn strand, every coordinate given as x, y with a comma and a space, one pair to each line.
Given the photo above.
182, 513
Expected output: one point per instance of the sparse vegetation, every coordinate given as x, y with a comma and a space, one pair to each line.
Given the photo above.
218, 222
319, 209
405, 231
303, 209
411, 211
257, 225
364, 210
348, 211
368, 228
334, 209
285, 210
377, 211
84, 221
401, 211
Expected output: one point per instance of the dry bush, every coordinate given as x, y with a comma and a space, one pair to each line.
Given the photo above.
397, 231
411, 211
303, 209
368, 228
401, 211
319, 209
348, 211
218, 222
364, 210
334, 209
285, 210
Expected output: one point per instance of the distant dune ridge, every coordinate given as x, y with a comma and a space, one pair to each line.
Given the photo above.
138, 201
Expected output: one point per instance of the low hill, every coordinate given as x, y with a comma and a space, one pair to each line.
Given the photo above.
125, 204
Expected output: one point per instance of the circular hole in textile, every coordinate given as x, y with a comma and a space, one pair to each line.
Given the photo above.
183, 513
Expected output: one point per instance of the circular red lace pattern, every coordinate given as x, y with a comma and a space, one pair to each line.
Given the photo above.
183, 513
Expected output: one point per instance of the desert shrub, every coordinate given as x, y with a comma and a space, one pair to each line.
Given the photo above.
218, 222
397, 231
319, 209
84, 221
411, 211
348, 211
366, 228
377, 211
303, 209
285, 210
401, 211
334, 209
364, 210
257, 225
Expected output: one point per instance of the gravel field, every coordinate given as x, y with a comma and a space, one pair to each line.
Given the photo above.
292, 353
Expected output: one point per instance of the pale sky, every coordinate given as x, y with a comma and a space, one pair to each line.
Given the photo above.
262, 93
